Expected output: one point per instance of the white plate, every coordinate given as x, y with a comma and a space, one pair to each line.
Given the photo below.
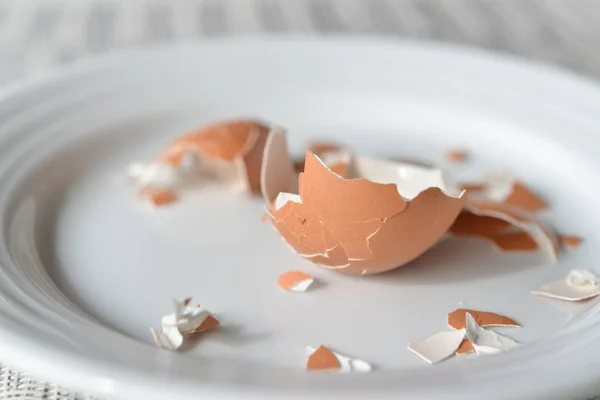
74, 240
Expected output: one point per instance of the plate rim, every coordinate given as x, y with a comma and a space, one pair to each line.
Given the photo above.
125, 384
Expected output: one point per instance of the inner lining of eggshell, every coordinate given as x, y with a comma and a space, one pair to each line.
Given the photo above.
277, 170
410, 179
283, 198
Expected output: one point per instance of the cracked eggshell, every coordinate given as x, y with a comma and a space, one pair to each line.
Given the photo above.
521, 219
322, 149
505, 188
231, 150
457, 319
357, 226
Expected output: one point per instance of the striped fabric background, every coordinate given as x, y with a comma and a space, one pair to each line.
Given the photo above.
36, 34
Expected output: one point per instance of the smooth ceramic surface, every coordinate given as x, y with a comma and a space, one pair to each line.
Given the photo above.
86, 270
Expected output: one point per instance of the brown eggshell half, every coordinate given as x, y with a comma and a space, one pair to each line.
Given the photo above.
409, 233
365, 227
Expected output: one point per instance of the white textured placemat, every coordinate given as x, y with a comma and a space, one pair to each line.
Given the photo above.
35, 34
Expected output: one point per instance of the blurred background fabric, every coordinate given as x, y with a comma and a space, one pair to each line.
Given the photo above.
36, 35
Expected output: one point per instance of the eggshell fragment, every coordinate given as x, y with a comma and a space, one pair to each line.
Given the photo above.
209, 323
185, 321
295, 281
485, 341
322, 359
505, 188
346, 363
230, 150
438, 347
168, 338
521, 219
158, 197
577, 286
457, 318
155, 176
357, 226
570, 240
465, 347
457, 156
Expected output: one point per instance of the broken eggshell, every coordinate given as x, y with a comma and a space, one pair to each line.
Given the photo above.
384, 215
526, 222
230, 151
505, 188
577, 286
183, 322
295, 281
485, 341
321, 359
